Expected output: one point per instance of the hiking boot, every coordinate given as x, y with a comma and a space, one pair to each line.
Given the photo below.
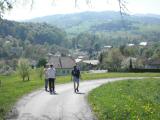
77, 90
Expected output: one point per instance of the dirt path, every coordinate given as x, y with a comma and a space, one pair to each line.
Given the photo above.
66, 105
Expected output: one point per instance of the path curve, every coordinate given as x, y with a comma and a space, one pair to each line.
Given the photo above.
66, 105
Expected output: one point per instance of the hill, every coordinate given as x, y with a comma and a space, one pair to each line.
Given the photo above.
70, 20
86, 21
29, 40
87, 31
107, 26
36, 33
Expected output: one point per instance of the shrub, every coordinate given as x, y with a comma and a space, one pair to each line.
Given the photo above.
24, 68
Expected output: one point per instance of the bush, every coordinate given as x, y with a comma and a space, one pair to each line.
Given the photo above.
40, 72
24, 68
41, 62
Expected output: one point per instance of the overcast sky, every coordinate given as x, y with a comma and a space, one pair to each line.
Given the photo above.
40, 8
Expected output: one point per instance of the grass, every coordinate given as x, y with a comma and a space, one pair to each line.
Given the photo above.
127, 100
12, 87
90, 76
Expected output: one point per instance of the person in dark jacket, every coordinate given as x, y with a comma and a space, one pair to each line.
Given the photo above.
76, 78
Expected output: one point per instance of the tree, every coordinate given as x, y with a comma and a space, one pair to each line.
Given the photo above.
5, 5
24, 69
8, 4
113, 59
130, 64
41, 62
40, 72
101, 58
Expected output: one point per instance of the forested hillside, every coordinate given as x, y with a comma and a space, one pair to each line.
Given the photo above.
88, 32
29, 40
36, 33
108, 26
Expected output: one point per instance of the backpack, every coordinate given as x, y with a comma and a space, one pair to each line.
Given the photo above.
76, 73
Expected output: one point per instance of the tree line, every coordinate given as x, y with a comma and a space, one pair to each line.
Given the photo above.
126, 57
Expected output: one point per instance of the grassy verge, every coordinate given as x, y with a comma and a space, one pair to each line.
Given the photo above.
127, 100
12, 87
89, 76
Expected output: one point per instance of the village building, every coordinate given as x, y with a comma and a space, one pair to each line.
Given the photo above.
153, 64
143, 43
63, 65
87, 64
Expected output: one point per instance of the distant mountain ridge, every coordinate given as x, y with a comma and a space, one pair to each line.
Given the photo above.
93, 21
148, 15
87, 31
64, 20
68, 20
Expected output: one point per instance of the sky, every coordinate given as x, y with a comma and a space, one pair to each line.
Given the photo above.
24, 11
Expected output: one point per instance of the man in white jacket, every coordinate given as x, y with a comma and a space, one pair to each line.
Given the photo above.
51, 76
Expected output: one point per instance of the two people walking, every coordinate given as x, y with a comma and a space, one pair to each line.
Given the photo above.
50, 77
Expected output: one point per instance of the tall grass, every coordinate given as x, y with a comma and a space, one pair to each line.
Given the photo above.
127, 100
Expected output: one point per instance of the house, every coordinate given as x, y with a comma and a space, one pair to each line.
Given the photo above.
88, 64
143, 44
63, 65
130, 45
106, 48
153, 64
92, 62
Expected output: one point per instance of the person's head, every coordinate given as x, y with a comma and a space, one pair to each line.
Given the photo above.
51, 66
75, 67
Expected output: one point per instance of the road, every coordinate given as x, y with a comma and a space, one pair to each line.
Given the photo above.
65, 105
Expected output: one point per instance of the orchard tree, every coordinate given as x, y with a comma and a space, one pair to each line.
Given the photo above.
42, 62
40, 72
112, 59
24, 69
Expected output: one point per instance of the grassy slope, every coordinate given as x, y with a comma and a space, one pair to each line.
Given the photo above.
127, 100
13, 88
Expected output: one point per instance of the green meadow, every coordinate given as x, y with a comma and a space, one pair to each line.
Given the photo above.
127, 100
13, 88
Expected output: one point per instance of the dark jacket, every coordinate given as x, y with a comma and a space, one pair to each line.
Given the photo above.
76, 73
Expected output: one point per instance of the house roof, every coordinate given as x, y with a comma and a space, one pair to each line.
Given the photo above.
78, 60
143, 43
92, 62
62, 62
130, 44
154, 62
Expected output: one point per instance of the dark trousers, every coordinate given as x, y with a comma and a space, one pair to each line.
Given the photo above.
46, 83
51, 84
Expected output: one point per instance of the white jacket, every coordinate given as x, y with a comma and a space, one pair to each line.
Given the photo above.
46, 73
51, 72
